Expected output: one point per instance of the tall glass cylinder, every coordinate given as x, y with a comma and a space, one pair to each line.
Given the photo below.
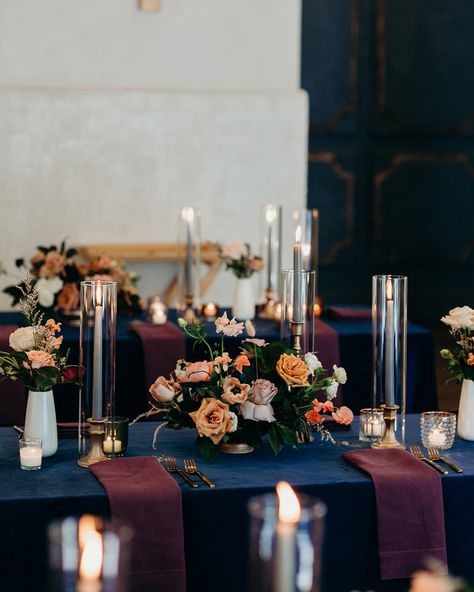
285, 557
271, 246
308, 220
297, 311
189, 258
389, 344
97, 361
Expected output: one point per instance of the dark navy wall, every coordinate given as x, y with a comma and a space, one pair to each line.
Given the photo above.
391, 146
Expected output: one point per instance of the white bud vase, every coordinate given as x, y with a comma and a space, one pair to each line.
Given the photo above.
466, 410
243, 307
40, 420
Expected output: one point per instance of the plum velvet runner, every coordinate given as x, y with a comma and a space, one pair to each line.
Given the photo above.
410, 512
162, 345
142, 494
12, 393
346, 313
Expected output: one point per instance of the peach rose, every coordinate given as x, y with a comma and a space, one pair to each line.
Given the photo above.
234, 390
38, 359
69, 297
213, 419
470, 359
256, 264
53, 264
161, 390
293, 370
343, 415
198, 372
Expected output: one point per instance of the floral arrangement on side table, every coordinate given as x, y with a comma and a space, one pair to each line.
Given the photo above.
265, 390
460, 321
57, 276
238, 258
36, 358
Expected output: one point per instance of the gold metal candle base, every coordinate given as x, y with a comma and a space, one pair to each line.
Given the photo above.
96, 453
296, 333
268, 311
189, 315
389, 439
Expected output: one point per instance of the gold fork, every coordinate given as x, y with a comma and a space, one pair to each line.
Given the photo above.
191, 467
416, 451
172, 467
433, 454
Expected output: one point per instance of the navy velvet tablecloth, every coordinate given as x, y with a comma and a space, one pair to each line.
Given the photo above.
355, 355
216, 520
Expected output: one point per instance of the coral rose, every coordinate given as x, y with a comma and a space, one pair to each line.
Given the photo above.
213, 419
293, 370
39, 359
161, 390
343, 415
198, 372
234, 390
69, 298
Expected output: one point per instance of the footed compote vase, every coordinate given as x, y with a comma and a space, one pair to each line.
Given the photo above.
40, 420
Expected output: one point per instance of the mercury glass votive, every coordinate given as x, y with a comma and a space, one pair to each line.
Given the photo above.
438, 429
116, 436
371, 424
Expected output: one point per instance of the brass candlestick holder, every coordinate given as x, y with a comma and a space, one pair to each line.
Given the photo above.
389, 439
269, 308
96, 452
296, 333
189, 315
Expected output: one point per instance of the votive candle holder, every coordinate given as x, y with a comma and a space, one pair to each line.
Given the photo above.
371, 424
438, 429
31, 454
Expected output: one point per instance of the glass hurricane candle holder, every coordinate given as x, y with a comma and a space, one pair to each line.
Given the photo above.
297, 316
309, 222
31, 454
189, 264
157, 311
285, 556
371, 424
438, 429
97, 360
271, 246
88, 555
116, 436
389, 348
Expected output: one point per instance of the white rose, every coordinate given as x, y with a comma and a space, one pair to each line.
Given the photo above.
22, 339
340, 374
312, 362
460, 318
47, 288
257, 412
234, 251
331, 390
235, 421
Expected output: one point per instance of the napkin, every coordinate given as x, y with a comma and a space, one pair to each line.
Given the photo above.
144, 495
410, 513
162, 345
347, 313
12, 392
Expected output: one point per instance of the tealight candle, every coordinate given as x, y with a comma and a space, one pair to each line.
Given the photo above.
31, 454
210, 311
438, 429
112, 445
372, 424
157, 311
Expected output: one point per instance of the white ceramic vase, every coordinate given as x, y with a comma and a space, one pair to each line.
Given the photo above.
466, 410
243, 307
40, 420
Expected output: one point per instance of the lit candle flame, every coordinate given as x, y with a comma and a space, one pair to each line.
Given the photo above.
389, 289
90, 541
188, 214
98, 295
270, 214
289, 509
298, 234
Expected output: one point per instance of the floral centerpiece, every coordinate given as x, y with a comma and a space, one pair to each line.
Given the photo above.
265, 390
36, 358
239, 259
57, 275
460, 321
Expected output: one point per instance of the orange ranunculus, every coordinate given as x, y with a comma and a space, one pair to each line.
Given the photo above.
241, 361
69, 297
314, 416
293, 370
212, 419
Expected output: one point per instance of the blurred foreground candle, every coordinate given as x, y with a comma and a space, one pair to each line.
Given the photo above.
210, 311
92, 554
286, 541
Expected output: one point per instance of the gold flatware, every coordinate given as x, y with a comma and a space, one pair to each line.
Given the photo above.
18, 430
191, 467
416, 451
433, 454
172, 467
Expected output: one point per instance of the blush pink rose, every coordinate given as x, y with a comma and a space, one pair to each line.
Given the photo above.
262, 392
39, 359
198, 372
161, 390
343, 415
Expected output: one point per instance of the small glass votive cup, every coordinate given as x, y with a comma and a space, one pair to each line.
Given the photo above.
371, 424
157, 311
116, 436
31, 453
274, 549
438, 429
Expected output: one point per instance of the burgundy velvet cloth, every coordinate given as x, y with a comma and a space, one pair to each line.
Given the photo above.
12, 393
326, 345
162, 345
410, 512
345, 313
142, 494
